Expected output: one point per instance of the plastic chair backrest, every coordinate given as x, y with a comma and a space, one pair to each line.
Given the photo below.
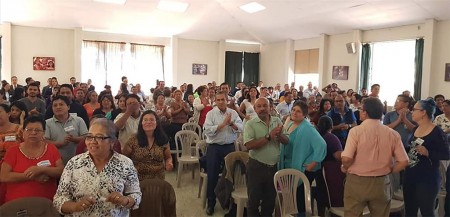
194, 127
187, 138
200, 146
158, 199
334, 182
29, 206
443, 173
286, 182
237, 161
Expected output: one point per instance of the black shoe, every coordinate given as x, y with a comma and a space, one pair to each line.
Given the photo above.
210, 211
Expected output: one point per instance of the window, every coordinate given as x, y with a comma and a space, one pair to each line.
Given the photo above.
107, 62
393, 68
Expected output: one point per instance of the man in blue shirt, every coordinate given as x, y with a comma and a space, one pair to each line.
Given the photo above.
343, 119
221, 127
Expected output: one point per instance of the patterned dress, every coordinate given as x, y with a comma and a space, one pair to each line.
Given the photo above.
149, 162
443, 122
80, 178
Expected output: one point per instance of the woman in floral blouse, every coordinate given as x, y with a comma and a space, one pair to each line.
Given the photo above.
443, 120
99, 182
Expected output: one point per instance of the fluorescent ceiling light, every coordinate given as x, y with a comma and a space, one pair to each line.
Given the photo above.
119, 2
241, 41
173, 6
252, 7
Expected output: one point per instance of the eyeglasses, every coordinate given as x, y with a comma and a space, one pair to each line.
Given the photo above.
417, 109
33, 130
97, 138
338, 100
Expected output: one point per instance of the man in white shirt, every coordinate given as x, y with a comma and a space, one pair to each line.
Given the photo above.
284, 108
309, 91
127, 122
221, 127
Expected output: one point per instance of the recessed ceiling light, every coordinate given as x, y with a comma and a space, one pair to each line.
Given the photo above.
119, 2
173, 6
241, 42
252, 7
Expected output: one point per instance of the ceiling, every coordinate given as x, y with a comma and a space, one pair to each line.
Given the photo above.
222, 19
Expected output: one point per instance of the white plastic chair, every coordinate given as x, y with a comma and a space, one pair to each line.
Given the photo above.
239, 193
186, 156
286, 182
194, 127
201, 147
339, 211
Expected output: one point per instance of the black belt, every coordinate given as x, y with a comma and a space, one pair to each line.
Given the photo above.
221, 144
263, 164
368, 176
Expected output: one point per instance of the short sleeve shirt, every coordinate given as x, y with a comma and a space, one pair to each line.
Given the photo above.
57, 131
255, 129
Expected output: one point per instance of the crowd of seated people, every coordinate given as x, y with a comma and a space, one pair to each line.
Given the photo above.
67, 125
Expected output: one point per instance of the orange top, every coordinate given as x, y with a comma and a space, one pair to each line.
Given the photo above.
373, 147
10, 138
90, 110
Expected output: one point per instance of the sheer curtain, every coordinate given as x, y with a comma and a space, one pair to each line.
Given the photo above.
107, 62
146, 62
102, 62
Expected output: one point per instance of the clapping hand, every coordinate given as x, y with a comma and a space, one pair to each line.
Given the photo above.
227, 119
275, 132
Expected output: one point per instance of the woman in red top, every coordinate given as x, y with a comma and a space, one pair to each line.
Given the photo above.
30, 169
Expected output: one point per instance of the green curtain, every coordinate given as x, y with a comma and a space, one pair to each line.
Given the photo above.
418, 60
251, 68
366, 56
233, 67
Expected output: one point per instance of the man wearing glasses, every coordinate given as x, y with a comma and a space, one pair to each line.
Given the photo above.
63, 130
343, 119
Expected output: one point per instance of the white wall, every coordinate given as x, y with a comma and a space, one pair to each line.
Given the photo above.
273, 65
338, 56
440, 56
29, 42
21, 43
195, 51
5, 32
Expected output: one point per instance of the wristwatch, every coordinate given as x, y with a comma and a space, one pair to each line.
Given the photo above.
267, 137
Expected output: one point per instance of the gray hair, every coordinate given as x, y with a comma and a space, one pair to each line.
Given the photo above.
108, 125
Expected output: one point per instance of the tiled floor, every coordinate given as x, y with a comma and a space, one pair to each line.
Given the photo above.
188, 205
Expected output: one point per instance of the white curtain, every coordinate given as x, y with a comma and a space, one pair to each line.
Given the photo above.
107, 62
146, 62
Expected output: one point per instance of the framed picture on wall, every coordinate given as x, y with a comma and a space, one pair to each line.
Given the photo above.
44, 63
199, 69
340, 73
447, 72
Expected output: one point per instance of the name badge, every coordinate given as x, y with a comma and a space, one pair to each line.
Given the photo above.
419, 141
10, 138
44, 163
69, 129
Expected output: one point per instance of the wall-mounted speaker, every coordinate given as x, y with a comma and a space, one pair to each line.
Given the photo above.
351, 47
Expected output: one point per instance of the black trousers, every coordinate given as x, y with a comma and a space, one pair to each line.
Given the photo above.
420, 195
215, 155
301, 192
447, 197
260, 189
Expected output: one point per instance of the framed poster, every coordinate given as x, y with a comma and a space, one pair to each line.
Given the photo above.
199, 69
447, 72
340, 72
44, 63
